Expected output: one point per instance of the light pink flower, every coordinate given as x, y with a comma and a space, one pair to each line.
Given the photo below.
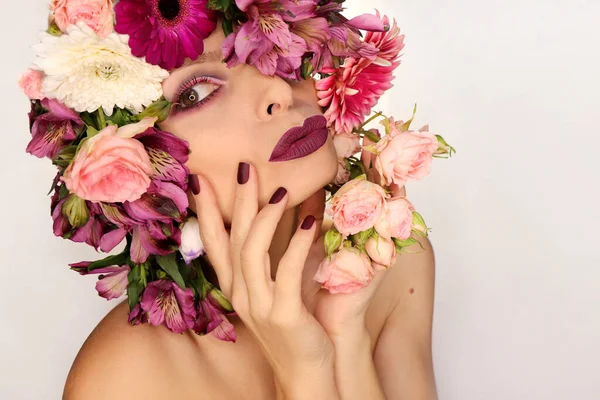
166, 303
382, 251
343, 175
351, 91
396, 220
111, 166
113, 285
97, 14
345, 272
405, 156
346, 144
31, 83
357, 206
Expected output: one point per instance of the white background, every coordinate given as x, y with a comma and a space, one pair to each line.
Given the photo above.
513, 85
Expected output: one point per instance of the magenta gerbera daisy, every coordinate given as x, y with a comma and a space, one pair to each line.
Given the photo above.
166, 32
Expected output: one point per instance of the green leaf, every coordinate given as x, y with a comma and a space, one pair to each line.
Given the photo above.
118, 259
227, 26
91, 131
169, 265
134, 289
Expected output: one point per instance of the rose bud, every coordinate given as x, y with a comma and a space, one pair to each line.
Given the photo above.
191, 243
381, 251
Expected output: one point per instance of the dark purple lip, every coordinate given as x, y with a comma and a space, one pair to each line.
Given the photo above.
301, 141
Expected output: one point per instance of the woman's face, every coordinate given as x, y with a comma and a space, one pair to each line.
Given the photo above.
238, 115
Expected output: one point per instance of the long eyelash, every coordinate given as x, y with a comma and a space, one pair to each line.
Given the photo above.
189, 83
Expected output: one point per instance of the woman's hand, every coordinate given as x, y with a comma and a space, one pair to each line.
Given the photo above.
296, 346
339, 314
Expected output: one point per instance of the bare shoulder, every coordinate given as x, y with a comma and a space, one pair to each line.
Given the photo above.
120, 361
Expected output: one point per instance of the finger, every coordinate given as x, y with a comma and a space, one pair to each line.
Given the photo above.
212, 230
315, 206
288, 282
245, 210
256, 249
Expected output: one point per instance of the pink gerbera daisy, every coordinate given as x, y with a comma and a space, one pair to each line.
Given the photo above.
351, 91
166, 32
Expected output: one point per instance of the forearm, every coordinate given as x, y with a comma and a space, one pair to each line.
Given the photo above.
355, 373
316, 384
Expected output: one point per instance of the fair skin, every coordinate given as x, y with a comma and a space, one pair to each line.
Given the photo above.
294, 341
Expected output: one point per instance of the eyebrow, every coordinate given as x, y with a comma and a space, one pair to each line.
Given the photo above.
211, 56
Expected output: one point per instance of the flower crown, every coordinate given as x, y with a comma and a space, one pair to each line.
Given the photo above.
96, 96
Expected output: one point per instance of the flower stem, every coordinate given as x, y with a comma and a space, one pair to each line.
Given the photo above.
101, 119
377, 115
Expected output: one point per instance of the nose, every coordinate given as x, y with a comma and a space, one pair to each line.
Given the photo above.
276, 99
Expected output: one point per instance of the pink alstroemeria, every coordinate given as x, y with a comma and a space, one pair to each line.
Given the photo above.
54, 130
351, 91
114, 284
167, 304
154, 238
266, 42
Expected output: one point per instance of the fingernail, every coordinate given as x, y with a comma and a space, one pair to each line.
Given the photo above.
243, 173
308, 222
194, 184
278, 195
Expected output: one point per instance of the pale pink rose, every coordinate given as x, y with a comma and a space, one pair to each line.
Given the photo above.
346, 144
357, 206
111, 167
405, 156
396, 220
346, 272
97, 14
31, 83
382, 251
343, 175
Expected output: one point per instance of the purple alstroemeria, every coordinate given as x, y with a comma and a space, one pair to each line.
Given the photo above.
369, 22
90, 233
266, 42
137, 315
297, 10
212, 319
168, 155
315, 32
158, 238
162, 202
166, 303
53, 130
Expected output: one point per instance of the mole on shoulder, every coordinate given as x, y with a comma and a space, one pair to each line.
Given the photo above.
411, 291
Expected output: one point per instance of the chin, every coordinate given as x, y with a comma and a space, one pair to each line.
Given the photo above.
311, 173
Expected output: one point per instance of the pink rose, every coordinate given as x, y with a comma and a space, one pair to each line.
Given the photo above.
405, 156
97, 14
346, 144
357, 206
347, 271
343, 175
382, 252
396, 220
31, 83
111, 167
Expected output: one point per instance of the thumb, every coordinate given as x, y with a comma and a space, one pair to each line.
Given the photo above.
315, 206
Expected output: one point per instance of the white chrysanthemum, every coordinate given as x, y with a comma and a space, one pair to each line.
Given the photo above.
85, 72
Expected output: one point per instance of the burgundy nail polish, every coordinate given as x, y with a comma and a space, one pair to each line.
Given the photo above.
308, 222
243, 173
278, 195
194, 184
